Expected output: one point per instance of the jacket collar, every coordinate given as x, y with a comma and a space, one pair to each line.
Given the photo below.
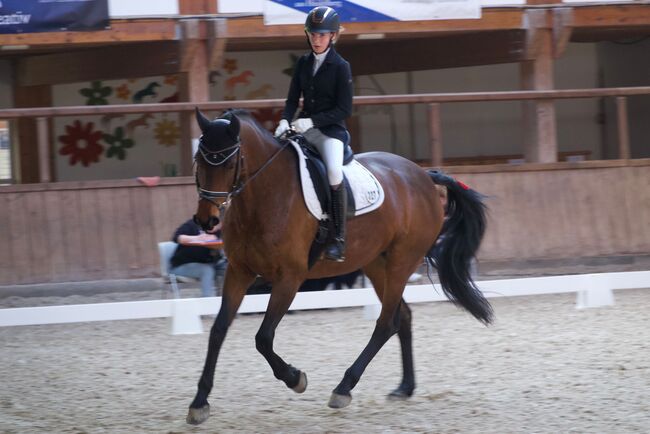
328, 59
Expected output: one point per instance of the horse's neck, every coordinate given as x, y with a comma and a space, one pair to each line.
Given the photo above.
266, 172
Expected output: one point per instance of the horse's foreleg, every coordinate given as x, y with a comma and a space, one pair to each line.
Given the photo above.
386, 326
406, 387
279, 303
235, 286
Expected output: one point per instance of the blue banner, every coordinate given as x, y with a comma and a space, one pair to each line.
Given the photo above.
32, 16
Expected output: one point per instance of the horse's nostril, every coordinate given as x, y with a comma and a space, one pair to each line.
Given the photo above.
214, 220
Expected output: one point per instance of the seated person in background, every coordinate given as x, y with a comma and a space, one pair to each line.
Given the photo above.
191, 259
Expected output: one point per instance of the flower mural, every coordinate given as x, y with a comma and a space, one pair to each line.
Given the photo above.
172, 80
123, 92
167, 132
96, 94
81, 143
118, 144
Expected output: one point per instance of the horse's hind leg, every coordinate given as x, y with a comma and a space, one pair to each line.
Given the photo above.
376, 272
387, 325
235, 286
281, 297
407, 386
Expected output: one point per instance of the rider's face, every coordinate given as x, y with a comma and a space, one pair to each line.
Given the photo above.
320, 41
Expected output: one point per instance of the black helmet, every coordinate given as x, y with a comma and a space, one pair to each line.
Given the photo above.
322, 19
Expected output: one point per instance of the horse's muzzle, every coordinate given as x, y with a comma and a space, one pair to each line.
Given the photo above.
209, 224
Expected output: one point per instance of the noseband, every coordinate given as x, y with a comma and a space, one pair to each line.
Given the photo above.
217, 158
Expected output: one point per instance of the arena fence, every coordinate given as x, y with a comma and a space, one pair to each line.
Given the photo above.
592, 290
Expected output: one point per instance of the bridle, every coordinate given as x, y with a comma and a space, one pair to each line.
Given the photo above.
217, 158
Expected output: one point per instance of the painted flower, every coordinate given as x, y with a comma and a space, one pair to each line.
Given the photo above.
230, 65
167, 132
96, 94
123, 92
118, 144
81, 143
171, 79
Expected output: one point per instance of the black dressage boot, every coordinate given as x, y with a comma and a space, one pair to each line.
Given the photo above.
336, 250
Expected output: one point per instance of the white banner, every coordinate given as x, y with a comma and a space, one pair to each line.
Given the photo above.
350, 11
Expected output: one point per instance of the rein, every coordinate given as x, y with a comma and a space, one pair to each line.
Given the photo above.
237, 185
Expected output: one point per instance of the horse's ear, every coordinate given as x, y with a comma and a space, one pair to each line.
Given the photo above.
204, 122
234, 127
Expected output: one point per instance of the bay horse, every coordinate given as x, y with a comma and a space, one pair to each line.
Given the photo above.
248, 179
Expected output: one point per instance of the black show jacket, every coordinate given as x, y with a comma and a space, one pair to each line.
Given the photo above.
327, 95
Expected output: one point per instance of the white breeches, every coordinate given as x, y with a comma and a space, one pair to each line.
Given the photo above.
332, 152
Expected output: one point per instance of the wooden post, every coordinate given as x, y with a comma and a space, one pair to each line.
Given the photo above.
537, 74
194, 87
435, 135
42, 133
623, 131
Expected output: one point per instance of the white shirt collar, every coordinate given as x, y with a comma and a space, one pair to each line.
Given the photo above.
319, 59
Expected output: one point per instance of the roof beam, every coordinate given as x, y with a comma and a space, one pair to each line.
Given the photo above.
120, 31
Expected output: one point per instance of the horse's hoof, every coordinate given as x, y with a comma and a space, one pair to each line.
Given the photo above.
302, 383
339, 401
399, 395
196, 416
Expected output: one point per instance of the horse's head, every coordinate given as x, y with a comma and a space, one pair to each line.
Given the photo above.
217, 165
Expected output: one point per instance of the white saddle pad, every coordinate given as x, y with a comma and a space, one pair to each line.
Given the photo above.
368, 192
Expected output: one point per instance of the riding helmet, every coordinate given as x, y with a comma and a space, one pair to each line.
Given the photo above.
322, 19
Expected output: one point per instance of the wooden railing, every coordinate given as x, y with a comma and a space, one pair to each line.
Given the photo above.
42, 114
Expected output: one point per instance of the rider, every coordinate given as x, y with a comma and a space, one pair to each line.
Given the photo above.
324, 79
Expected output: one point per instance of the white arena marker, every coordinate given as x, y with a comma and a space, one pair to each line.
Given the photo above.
185, 317
593, 292
371, 311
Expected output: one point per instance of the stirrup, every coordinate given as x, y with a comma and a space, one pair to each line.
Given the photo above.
335, 251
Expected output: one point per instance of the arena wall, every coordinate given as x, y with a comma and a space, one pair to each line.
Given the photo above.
95, 230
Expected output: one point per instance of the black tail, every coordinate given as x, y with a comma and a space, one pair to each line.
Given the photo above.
459, 240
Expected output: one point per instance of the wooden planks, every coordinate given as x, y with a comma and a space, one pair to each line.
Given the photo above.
78, 231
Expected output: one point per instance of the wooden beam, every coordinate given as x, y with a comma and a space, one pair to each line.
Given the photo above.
197, 7
190, 43
612, 16
562, 29
216, 43
44, 154
623, 130
120, 31
435, 135
540, 141
160, 58
194, 88
533, 21
29, 158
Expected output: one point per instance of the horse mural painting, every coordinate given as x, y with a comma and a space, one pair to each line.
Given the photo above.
247, 178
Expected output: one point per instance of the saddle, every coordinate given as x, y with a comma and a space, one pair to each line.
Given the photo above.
365, 193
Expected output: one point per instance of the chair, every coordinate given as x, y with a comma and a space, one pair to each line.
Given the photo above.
166, 250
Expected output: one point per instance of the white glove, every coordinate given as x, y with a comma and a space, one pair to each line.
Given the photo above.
282, 128
302, 125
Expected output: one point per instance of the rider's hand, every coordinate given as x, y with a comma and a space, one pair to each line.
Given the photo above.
303, 124
282, 128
